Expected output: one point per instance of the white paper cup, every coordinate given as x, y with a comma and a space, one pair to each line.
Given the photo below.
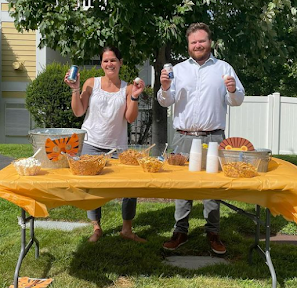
212, 164
196, 146
212, 148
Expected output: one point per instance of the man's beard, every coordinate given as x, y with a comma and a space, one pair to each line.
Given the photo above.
201, 57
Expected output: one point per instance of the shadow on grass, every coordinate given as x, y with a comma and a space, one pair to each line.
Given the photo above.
113, 255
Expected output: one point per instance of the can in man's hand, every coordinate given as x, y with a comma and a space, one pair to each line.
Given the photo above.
73, 73
169, 69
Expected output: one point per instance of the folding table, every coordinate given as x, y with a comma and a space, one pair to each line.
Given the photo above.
275, 190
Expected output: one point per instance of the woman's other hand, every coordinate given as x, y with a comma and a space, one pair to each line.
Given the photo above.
137, 88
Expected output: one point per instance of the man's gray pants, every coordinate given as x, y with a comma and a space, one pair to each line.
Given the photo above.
211, 211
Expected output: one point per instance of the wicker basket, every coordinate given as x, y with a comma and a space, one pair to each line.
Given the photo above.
150, 164
178, 159
128, 155
87, 164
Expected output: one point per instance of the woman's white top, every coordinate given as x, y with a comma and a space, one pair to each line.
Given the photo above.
105, 120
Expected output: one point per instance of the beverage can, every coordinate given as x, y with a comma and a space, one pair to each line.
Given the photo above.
73, 73
169, 69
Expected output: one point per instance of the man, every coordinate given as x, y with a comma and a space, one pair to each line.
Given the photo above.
201, 89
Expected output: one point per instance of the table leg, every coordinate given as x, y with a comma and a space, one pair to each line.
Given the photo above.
25, 248
257, 234
267, 244
264, 254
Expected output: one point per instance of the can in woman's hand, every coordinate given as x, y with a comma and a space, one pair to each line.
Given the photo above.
73, 73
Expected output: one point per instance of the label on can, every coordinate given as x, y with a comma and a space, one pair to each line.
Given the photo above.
73, 73
169, 69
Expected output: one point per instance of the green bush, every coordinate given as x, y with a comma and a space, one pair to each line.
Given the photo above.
48, 98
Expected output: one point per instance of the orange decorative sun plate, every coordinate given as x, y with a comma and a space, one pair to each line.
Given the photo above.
237, 143
69, 145
24, 282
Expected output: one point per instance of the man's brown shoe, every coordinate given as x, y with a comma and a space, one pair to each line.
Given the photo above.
176, 240
95, 236
215, 243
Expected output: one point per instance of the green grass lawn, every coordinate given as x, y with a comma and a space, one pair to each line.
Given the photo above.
16, 150
72, 262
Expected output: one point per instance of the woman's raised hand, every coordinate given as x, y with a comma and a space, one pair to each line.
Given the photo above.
72, 85
137, 87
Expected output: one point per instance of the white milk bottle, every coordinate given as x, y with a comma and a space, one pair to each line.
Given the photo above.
195, 155
212, 159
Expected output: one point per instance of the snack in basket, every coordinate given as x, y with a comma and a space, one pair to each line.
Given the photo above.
87, 164
27, 166
177, 158
150, 164
130, 156
239, 170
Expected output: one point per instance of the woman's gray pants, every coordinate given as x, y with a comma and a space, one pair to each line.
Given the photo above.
128, 204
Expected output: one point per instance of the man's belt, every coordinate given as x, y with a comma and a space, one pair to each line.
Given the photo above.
199, 133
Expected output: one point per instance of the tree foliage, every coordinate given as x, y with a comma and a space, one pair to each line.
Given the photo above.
258, 40
257, 37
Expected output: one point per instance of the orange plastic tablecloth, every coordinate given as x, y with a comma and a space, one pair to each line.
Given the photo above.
276, 189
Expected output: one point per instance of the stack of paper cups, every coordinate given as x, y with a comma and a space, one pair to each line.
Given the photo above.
212, 160
195, 155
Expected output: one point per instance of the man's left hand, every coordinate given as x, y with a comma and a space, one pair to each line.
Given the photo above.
230, 83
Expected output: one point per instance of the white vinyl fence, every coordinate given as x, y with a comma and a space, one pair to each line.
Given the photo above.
266, 121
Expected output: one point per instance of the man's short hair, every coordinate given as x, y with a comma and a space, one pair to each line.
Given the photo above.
198, 26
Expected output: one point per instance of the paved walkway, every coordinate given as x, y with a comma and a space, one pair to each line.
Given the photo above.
4, 161
59, 225
193, 262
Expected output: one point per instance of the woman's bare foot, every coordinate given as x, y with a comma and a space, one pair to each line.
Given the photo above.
97, 231
132, 236
96, 235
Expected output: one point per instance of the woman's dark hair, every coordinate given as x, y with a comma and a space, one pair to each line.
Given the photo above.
115, 50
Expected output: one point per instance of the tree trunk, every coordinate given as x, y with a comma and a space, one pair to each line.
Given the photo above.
159, 126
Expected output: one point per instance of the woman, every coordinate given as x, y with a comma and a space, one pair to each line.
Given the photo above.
109, 103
